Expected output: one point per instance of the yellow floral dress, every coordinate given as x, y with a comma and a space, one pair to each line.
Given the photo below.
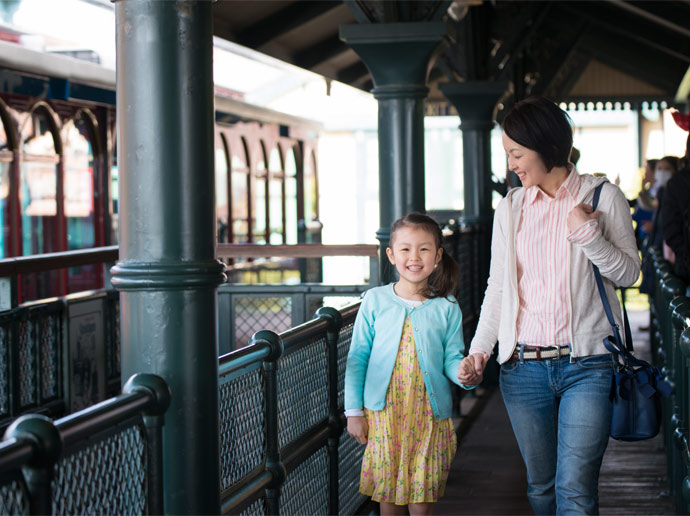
408, 452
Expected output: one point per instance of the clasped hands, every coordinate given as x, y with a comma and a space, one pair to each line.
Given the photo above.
470, 372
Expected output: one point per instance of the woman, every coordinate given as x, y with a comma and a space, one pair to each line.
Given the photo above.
543, 307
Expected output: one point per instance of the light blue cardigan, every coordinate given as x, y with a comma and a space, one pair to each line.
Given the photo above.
437, 328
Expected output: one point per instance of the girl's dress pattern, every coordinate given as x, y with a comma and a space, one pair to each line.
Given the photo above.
408, 452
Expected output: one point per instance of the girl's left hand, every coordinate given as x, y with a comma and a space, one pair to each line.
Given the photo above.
579, 215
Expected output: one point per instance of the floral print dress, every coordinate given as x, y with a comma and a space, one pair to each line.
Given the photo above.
408, 453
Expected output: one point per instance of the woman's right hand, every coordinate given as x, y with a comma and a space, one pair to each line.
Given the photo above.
358, 428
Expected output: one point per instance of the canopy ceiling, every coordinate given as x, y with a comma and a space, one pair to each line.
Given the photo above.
609, 50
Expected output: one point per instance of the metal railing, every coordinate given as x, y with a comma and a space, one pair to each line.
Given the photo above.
242, 309
106, 459
281, 418
670, 339
59, 355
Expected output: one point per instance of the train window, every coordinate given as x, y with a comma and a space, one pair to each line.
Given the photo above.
310, 190
222, 190
79, 195
39, 174
115, 196
40, 228
5, 165
79, 184
290, 197
275, 196
259, 195
239, 196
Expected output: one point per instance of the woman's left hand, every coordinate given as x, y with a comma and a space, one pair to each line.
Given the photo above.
579, 215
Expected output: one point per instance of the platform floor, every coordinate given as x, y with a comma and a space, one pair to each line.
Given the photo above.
488, 476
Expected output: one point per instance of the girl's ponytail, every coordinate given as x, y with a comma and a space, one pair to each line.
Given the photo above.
445, 279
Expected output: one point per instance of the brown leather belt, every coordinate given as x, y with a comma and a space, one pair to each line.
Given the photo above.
540, 353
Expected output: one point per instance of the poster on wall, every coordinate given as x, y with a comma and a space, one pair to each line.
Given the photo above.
87, 353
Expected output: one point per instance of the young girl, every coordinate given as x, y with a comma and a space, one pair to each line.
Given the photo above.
406, 344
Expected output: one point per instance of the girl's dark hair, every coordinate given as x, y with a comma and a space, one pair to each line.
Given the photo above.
446, 276
540, 125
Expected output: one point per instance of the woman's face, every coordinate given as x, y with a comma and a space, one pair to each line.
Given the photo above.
526, 163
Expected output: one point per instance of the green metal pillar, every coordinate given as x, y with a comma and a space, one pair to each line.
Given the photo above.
475, 102
397, 55
167, 274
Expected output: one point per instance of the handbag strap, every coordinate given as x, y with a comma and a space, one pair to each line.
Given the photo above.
602, 291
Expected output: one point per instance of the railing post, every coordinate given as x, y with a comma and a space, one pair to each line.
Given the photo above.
154, 419
335, 323
273, 462
684, 345
38, 473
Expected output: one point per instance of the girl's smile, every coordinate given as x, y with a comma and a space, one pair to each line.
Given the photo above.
414, 254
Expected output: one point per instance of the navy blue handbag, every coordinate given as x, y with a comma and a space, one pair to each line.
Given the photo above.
636, 386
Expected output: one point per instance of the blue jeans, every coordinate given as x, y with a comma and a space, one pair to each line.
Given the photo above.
561, 416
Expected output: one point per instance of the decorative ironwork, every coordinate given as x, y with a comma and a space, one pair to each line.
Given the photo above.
27, 364
241, 427
48, 329
349, 465
14, 498
258, 508
344, 340
5, 344
302, 390
106, 477
254, 313
306, 488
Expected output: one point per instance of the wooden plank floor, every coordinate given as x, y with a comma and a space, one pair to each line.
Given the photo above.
488, 477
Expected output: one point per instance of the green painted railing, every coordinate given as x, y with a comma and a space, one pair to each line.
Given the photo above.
281, 414
106, 459
670, 339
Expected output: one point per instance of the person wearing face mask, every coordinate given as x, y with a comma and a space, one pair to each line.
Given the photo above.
665, 168
676, 210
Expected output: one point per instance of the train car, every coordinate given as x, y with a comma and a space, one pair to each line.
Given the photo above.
58, 167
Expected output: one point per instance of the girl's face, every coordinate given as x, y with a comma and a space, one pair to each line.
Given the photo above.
526, 163
414, 253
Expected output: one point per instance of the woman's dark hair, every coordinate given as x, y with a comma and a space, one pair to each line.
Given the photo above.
446, 276
540, 125
671, 160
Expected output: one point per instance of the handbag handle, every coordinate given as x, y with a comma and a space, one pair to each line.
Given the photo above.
602, 292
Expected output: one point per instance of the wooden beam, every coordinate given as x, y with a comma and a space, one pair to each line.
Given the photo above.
651, 39
294, 251
353, 73
320, 52
283, 21
663, 22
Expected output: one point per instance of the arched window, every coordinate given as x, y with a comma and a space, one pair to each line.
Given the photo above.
78, 137
5, 167
40, 200
221, 171
311, 202
260, 194
39, 180
239, 193
80, 184
290, 197
276, 201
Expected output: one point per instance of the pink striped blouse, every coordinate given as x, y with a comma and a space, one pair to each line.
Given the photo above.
541, 245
